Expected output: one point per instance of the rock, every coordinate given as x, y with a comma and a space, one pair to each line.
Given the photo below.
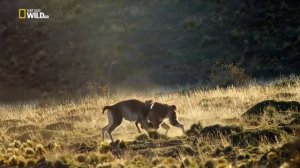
287, 129
255, 137
82, 147
216, 131
295, 121
60, 126
280, 106
195, 130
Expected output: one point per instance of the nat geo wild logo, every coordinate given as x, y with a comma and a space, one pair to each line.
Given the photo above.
32, 14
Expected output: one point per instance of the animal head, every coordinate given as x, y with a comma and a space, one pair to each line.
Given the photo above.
173, 107
173, 117
172, 112
148, 104
150, 125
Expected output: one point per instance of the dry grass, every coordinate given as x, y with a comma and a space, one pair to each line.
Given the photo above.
82, 120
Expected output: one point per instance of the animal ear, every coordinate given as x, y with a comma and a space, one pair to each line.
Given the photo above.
173, 107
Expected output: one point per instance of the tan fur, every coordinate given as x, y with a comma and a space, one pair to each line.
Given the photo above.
161, 111
140, 112
131, 110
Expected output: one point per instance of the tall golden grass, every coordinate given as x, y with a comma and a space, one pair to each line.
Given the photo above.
57, 129
207, 106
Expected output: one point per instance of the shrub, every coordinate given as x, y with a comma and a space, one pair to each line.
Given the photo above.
64, 161
104, 165
155, 135
61, 164
229, 75
39, 149
13, 161
191, 24
104, 148
60, 126
210, 164
194, 130
28, 143
94, 158
185, 163
22, 161
142, 137
228, 149
155, 161
108, 157
246, 138
52, 146
241, 157
31, 162
15, 144
81, 158
188, 150
122, 144
29, 151
218, 151
217, 131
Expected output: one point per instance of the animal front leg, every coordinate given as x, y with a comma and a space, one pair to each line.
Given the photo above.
175, 123
155, 123
137, 126
145, 124
166, 127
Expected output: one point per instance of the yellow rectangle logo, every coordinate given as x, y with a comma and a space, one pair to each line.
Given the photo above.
22, 13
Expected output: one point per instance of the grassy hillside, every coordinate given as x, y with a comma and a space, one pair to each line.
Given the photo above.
143, 44
46, 133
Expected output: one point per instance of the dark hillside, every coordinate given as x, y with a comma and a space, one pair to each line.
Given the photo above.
140, 44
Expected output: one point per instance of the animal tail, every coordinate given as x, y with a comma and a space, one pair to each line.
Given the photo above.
105, 108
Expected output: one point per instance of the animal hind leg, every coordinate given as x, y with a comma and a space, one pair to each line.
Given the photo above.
111, 129
111, 119
104, 129
116, 122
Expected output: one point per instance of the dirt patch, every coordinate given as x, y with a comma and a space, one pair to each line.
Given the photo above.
156, 135
60, 126
280, 106
142, 137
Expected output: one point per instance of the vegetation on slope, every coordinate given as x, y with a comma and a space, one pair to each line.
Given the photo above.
68, 134
142, 44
